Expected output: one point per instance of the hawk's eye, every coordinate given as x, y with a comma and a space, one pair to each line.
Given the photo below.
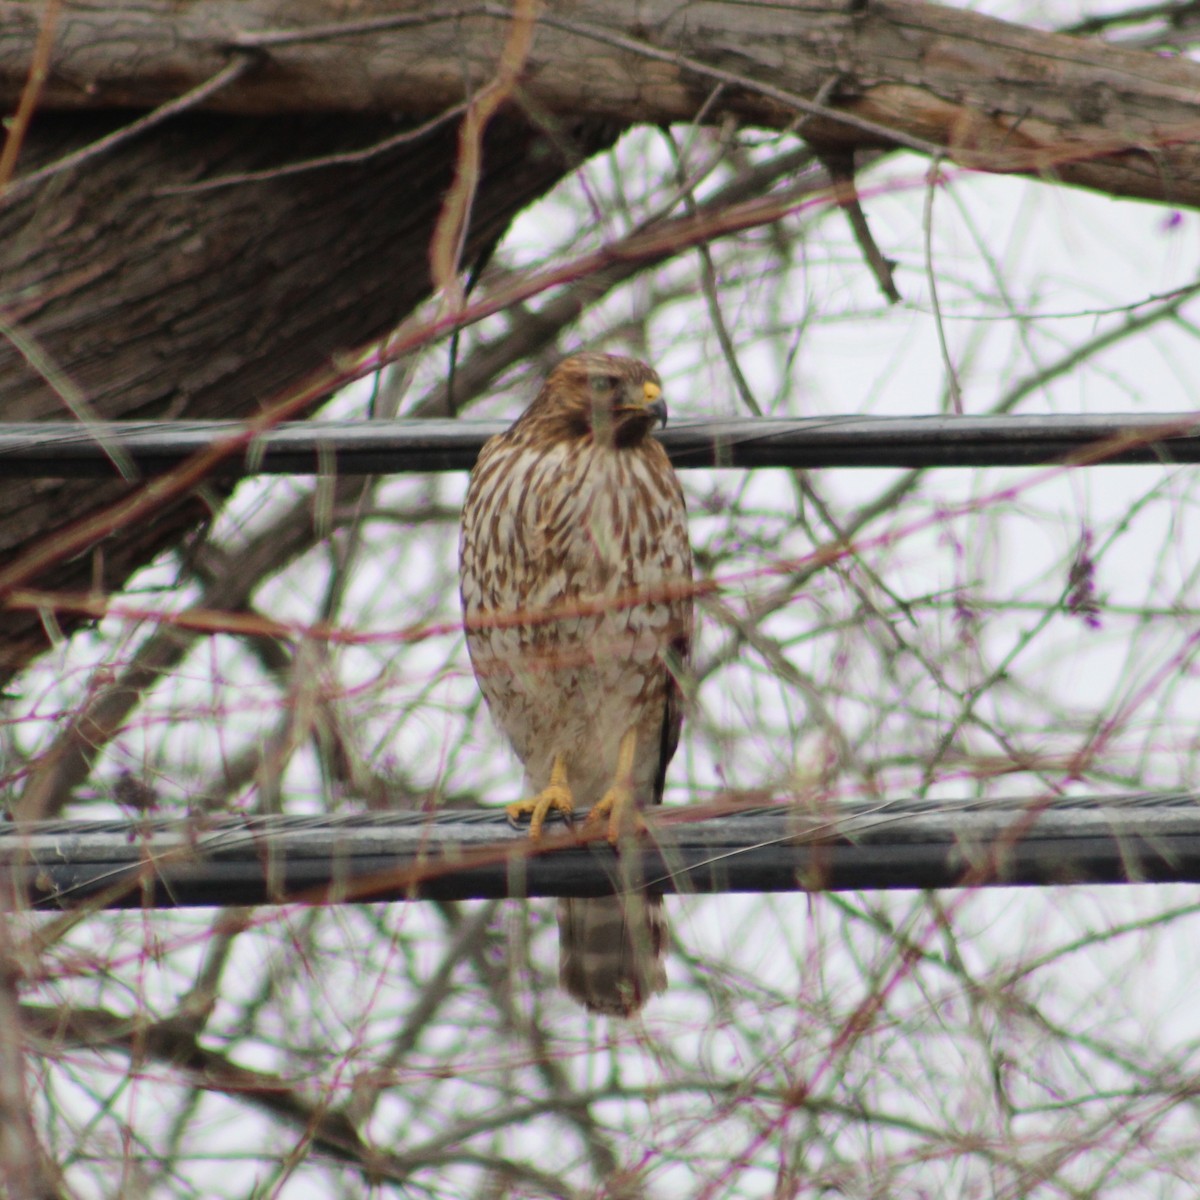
605, 385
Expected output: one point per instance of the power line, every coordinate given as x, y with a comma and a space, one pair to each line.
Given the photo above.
165, 863
56, 450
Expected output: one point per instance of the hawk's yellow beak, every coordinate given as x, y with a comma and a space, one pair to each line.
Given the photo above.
654, 402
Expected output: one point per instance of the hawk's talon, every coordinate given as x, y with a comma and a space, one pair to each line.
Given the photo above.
618, 809
555, 797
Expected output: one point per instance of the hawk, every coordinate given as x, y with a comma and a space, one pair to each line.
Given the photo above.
575, 524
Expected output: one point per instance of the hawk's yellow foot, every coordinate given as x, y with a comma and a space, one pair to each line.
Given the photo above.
620, 809
554, 797
618, 804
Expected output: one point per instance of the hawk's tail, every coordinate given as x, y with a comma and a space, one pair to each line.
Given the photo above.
612, 951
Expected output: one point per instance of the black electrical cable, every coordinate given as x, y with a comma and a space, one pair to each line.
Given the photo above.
166, 863
56, 450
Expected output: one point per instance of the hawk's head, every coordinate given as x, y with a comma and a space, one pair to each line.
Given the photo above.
612, 400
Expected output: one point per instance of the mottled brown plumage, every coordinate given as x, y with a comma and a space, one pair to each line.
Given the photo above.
576, 512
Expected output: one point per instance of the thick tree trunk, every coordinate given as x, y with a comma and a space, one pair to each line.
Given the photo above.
150, 302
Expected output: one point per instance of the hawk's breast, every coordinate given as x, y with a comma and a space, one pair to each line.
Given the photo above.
572, 559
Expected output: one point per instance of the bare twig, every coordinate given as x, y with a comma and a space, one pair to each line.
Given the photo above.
39, 68
228, 74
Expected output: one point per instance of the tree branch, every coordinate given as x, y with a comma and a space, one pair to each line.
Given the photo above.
985, 93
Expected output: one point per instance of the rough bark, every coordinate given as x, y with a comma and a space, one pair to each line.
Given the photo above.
987, 93
153, 303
